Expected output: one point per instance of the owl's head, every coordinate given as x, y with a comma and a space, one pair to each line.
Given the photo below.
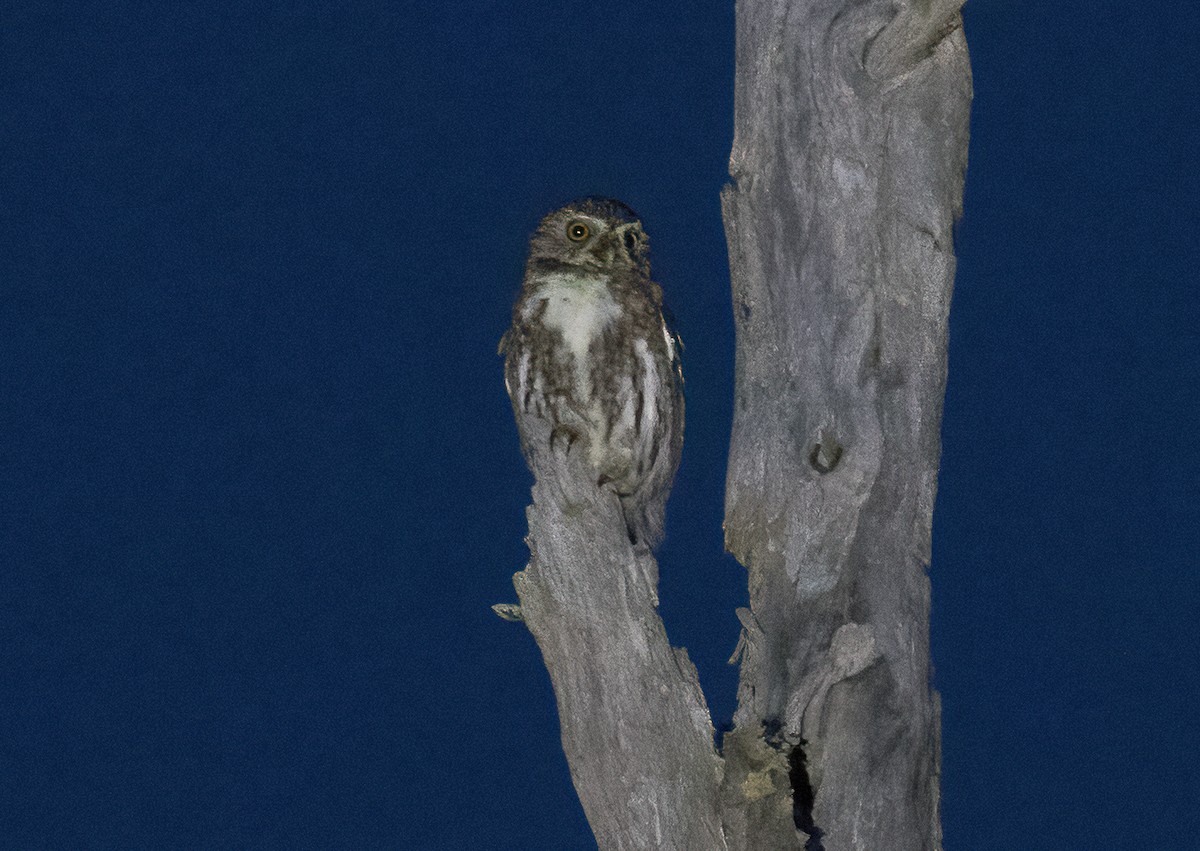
596, 233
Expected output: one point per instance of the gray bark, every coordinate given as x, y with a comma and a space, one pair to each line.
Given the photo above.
850, 148
635, 726
851, 131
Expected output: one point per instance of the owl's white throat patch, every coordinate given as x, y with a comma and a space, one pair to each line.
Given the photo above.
580, 308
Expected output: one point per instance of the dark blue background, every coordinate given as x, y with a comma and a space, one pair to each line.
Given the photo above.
259, 482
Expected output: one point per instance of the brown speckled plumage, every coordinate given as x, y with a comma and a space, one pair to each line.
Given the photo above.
589, 354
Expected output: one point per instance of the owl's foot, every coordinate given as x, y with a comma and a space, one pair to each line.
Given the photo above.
565, 468
616, 471
563, 438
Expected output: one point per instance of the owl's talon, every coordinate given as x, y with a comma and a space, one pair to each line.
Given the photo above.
563, 433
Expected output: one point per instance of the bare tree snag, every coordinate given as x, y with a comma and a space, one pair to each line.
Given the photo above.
851, 126
635, 726
847, 167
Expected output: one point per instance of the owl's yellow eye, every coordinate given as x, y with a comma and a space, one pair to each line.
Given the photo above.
577, 231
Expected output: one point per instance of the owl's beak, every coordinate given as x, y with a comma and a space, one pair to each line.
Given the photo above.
619, 244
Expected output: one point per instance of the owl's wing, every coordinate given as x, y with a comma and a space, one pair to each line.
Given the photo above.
645, 508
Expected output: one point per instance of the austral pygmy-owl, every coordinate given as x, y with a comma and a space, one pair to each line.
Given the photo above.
591, 362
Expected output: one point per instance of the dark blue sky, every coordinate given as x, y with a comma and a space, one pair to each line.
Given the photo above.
259, 482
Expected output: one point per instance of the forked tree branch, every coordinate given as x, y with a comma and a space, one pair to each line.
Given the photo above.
851, 133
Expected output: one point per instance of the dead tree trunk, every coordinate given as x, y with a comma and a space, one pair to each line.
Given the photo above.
635, 726
848, 160
851, 130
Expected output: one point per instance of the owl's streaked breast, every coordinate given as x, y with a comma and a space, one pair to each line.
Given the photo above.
590, 361
579, 308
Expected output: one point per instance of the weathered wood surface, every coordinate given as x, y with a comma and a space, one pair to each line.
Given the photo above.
848, 161
635, 726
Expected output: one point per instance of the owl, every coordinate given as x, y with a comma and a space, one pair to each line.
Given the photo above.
591, 362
